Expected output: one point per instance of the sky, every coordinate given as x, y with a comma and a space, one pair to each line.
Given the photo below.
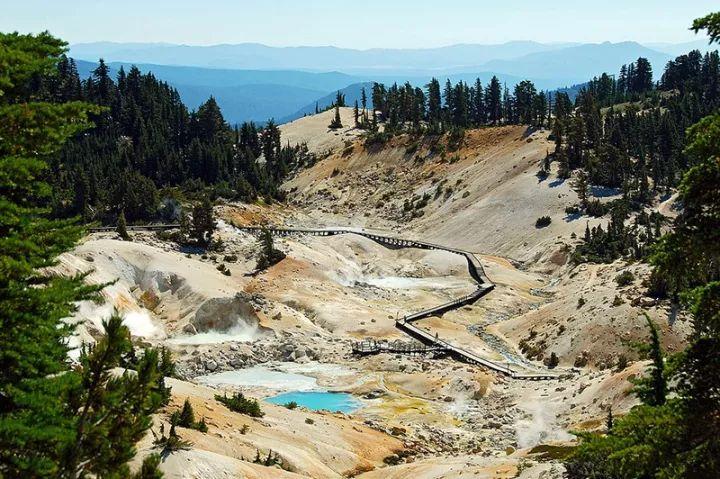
356, 24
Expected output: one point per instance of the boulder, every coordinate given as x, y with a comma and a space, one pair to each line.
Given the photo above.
211, 365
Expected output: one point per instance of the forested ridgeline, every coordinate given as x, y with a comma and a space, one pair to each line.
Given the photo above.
146, 139
624, 133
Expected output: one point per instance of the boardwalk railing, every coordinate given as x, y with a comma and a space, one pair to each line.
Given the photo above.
405, 323
153, 227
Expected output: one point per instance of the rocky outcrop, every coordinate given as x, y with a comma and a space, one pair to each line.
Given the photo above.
225, 314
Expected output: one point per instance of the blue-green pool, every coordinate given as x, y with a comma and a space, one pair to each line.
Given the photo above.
318, 400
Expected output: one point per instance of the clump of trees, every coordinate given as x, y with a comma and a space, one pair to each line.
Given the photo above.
674, 432
145, 141
239, 403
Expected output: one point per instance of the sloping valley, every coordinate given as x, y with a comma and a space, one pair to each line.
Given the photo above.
290, 328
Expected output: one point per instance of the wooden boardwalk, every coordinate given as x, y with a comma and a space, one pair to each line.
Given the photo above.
405, 323
430, 342
370, 346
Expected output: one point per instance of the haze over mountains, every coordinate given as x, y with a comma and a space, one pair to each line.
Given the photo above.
257, 82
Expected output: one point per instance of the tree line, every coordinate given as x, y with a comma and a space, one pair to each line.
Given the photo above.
461, 105
145, 139
674, 432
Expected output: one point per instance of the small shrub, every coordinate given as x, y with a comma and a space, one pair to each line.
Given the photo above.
376, 139
291, 405
622, 363
581, 302
625, 278
245, 429
617, 301
553, 361
201, 425
309, 421
596, 208
230, 258
171, 443
392, 460
572, 210
543, 221
186, 418
240, 404
412, 148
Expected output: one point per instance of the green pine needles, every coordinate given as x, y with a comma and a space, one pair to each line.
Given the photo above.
57, 419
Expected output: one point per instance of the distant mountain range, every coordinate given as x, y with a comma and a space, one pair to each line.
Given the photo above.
257, 82
261, 57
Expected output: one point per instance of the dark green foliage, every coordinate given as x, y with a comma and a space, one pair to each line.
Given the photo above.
674, 434
622, 363
336, 122
203, 222
618, 239
150, 468
122, 226
406, 108
625, 278
710, 23
239, 403
291, 405
146, 140
272, 459
55, 420
543, 221
553, 361
171, 443
268, 255
186, 418
652, 389
580, 185
201, 426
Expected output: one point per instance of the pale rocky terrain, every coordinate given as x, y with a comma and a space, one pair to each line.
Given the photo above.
293, 325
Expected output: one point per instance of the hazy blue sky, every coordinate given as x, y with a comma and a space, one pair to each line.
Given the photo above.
357, 24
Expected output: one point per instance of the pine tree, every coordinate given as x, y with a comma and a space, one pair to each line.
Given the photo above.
122, 226
187, 415
580, 185
493, 101
652, 390
356, 114
54, 422
268, 255
203, 222
434, 102
336, 121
